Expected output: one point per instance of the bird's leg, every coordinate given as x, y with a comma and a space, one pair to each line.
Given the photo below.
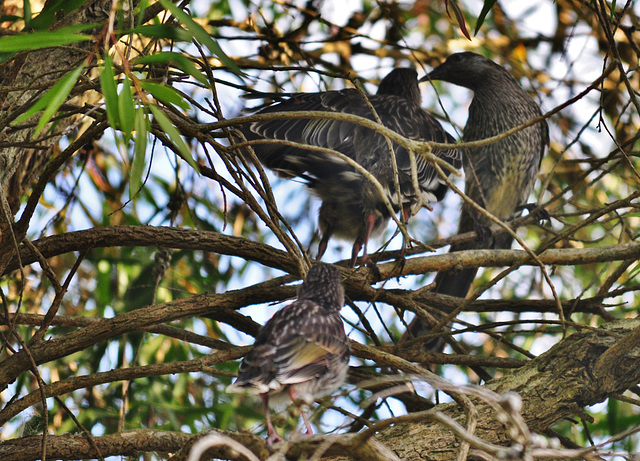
272, 434
307, 424
369, 223
354, 253
406, 214
303, 410
322, 246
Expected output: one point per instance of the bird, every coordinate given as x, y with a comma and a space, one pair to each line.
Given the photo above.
352, 208
302, 353
498, 176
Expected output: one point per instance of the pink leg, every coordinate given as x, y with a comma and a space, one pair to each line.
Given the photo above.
406, 214
354, 254
303, 411
322, 246
371, 220
307, 424
272, 435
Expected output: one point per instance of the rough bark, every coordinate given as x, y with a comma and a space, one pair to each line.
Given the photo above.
576, 372
25, 78
29, 73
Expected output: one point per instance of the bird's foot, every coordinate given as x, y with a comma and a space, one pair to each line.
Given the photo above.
536, 210
362, 241
366, 258
272, 438
373, 267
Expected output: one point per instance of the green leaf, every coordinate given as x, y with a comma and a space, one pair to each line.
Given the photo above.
12, 18
27, 13
109, 90
164, 93
613, 10
202, 36
52, 100
38, 40
126, 108
139, 151
174, 135
176, 60
488, 4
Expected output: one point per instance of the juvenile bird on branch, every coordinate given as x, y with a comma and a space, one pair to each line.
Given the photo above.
352, 208
302, 352
500, 175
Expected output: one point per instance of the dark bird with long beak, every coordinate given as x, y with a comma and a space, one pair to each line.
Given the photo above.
500, 175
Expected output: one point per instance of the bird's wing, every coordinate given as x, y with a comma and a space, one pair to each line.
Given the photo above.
292, 161
307, 338
350, 139
411, 121
361, 144
303, 357
433, 186
257, 372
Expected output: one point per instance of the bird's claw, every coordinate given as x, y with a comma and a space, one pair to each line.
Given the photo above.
273, 438
377, 275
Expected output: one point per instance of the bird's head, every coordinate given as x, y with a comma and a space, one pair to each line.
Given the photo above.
466, 69
323, 286
402, 82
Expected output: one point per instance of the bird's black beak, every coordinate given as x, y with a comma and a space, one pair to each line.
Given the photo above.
435, 74
439, 73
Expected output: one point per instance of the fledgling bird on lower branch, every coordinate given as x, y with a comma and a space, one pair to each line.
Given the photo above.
352, 208
302, 352
500, 175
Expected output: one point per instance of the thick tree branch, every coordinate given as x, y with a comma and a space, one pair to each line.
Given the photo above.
170, 237
555, 385
166, 237
128, 443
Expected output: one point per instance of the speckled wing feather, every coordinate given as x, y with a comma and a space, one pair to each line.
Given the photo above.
305, 358
291, 161
317, 338
363, 145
